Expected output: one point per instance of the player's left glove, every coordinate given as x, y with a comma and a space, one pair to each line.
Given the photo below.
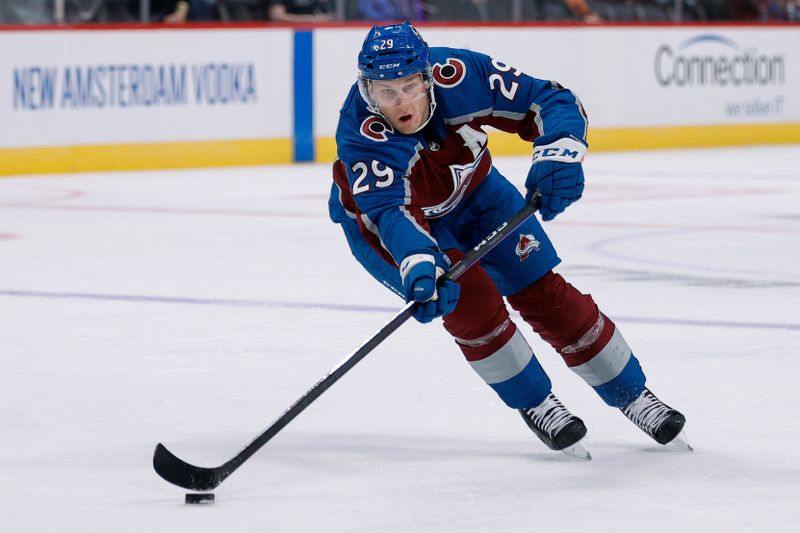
420, 272
556, 173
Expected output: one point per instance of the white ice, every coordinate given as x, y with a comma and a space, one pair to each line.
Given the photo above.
192, 307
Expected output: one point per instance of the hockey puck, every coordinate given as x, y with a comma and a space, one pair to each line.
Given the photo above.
200, 497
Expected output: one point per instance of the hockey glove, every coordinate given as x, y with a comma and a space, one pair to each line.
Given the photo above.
556, 173
420, 272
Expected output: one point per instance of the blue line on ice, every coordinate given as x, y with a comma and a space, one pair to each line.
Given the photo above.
361, 308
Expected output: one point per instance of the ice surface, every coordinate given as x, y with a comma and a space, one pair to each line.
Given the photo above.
193, 307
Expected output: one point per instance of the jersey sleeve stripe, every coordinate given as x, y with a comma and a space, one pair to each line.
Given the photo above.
373, 229
468, 118
583, 114
413, 161
416, 220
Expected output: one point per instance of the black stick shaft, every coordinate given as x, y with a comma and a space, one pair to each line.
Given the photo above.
188, 476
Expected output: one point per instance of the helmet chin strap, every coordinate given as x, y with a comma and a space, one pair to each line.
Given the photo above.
431, 109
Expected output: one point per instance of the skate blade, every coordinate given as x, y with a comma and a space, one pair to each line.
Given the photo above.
578, 451
680, 441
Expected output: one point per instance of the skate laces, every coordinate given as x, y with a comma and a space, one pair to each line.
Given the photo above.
647, 412
551, 415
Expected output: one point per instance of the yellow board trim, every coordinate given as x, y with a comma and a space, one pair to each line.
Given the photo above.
145, 156
172, 155
618, 139
325, 149
693, 136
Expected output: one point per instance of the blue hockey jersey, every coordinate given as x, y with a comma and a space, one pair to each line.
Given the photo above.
393, 184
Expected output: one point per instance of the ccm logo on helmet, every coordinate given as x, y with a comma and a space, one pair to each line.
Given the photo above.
450, 73
376, 129
392, 65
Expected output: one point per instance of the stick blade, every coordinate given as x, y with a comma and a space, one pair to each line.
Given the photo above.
181, 473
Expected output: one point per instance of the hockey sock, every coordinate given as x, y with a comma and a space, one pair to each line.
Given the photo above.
491, 343
587, 340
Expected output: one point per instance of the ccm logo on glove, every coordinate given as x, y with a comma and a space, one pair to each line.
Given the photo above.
556, 173
567, 150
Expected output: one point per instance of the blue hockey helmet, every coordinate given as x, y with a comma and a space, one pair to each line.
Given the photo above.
393, 52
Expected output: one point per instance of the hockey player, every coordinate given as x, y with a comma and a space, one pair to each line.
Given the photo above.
414, 186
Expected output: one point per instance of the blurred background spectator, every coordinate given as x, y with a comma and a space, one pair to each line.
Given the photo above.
203, 10
173, 11
390, 10
242, 10
26, 11
586, 11
299, 10
103, 11
180, 11
111, 11
793, 10
580, 10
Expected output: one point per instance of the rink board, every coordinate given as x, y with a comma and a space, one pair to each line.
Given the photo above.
144, 98
137, 98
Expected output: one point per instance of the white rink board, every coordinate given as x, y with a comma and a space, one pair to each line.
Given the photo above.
236, 84
225, 84
614, 70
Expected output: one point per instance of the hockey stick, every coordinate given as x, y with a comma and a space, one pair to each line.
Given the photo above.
188, 476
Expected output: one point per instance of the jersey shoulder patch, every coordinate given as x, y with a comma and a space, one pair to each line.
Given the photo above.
371, 138
376, 128
449, 73
357, 123
451, 66
461, 82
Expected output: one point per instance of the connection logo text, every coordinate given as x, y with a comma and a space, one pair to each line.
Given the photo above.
714, 60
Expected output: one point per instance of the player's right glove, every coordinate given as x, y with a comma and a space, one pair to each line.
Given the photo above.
556, 173
420, 272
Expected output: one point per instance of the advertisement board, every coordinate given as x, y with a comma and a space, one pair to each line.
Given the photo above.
156, 97
642, 87
123, 91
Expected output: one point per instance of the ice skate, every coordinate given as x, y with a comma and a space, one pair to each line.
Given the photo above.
557, 427
657, 419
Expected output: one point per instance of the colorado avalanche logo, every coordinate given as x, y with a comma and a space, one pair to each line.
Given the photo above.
449, 74
376, 129
526, 245
462, 176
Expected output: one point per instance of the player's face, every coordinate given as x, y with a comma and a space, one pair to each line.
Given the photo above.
404, 102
